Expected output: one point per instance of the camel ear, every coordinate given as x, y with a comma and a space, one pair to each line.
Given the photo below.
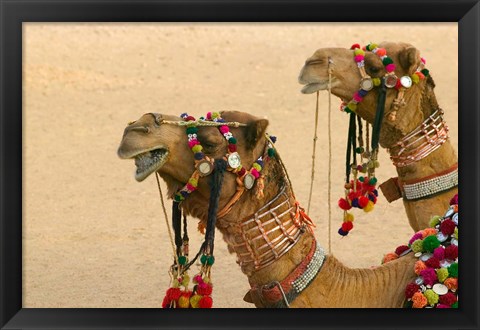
409, 59
254, 132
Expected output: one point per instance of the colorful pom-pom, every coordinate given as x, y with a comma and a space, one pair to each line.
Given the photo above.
451, 283
359, 58
451, 252
232, 140
417, 246
255, 173
184, 300
419, 300
415, 78
193, 143
389, 257
434, 221
433, 263
400, 249
348, 217
419, 267
453, 270
439, 253
205, 302
194, 300
204, 289
447, 227
381, 52
442, 274
432, 297
454, 200
416, 236
197, 148
369, 207
347, 226
429, 276
342, 232
429, 232
344, 204
199, 155
448, 299
425, 72
363, 201
390, 67
224, 129
376, 81
359, 51
173, 293
355, 46
232, 147
387, 60
411, 289
430, 243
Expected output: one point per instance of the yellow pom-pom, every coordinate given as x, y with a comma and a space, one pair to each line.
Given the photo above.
442, 274
348, 217
369, 207
215, 115
183, 301
431, 296
193, 182
197, 148
373, 46
257, 166
376, 81
417, 246
194, 300
186, 280
358, 51
434, 221
352, 106
455, 233
415, 78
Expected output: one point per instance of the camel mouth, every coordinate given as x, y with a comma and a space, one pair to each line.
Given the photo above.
314, 87
149, 162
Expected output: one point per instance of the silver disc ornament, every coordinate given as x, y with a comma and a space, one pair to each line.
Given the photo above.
391, 81
234, 160
366, 84
406, 81
205, 167
249, 180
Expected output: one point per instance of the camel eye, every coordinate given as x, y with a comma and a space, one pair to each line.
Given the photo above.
373, 70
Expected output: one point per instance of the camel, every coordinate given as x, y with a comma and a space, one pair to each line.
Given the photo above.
420, 103
162, 148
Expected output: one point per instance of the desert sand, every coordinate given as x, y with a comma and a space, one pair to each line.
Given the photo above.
92, 235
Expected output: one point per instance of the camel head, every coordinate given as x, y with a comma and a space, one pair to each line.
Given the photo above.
346, 80
156, 146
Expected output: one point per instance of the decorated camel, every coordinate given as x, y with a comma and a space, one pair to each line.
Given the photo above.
412, 130
258, 214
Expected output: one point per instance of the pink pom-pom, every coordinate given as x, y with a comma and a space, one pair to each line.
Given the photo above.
423, 60
381, 52
451, 252
209, 115
439, 253
224, 129
190, 187
417, 235
357, 97
429, 276
390, 67
255, 173
359, 58
193, 143
197, 279
402, 248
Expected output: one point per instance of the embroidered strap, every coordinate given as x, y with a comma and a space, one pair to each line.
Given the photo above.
282, 294
426, 187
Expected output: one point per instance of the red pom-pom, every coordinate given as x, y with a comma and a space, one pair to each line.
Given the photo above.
433, 262
242, 171
448, 299
352, 195
166, 302
173, 293
363, 201
190, 118
347, 226
343, 204
232, 147
399, 250
355, 46
398, 84
205, 302
447, 227
411, 289
451, 252
204, 289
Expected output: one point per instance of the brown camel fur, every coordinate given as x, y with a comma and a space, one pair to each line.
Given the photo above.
420, 103
335, 286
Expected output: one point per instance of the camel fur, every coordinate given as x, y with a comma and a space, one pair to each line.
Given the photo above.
420, 103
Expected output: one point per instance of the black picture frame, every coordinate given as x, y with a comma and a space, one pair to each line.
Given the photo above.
15, 12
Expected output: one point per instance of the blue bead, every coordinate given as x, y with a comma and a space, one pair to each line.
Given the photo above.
362, 92
375, 192
259, 162
371, 197
355, 202
184, 193
184, 115
342, 232
273, 138
198, 155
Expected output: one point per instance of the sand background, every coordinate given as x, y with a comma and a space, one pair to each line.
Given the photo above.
92, 235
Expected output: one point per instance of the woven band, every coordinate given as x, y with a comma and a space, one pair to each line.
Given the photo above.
427, 188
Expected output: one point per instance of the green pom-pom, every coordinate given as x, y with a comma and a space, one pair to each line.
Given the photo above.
442, 274
453, 270
361, 179
347, 110
430, 243
372, 181
455, 304
192, 130
359, 150
203, 259
387, 60
232, 140
417, 246
210, 260
425, 72
431, 296
178, 198
408, 304
434, 221
182, 260
271, 152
